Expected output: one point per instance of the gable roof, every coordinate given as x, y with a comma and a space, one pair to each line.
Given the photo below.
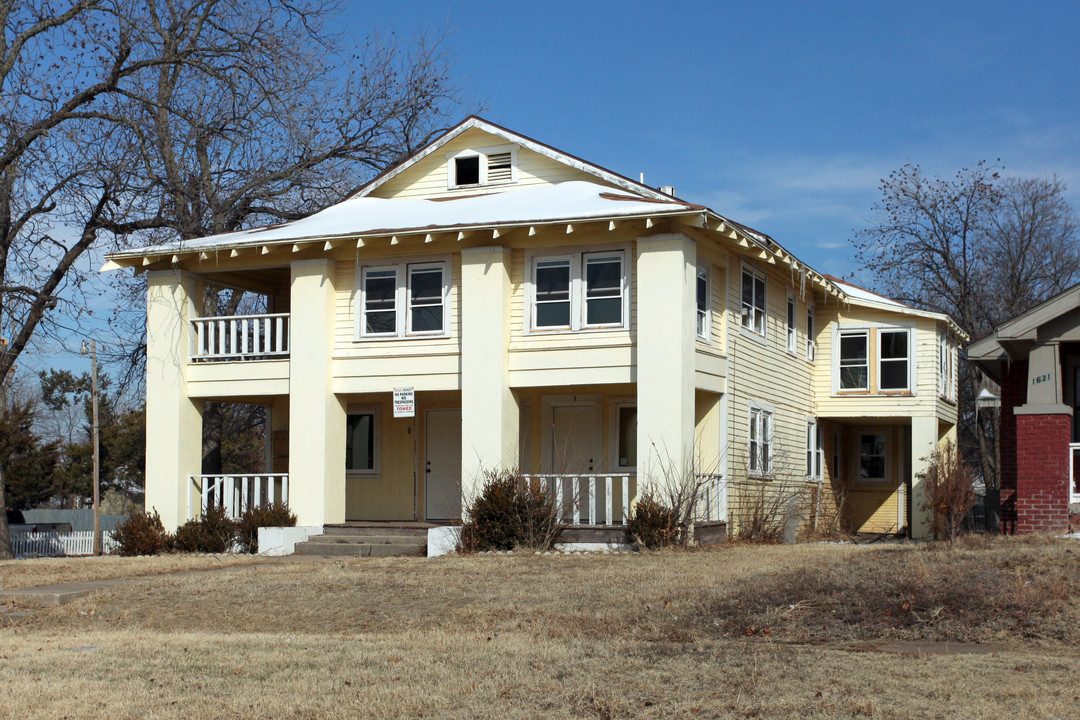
474, 121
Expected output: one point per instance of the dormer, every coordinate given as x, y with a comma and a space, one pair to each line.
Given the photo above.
481, 167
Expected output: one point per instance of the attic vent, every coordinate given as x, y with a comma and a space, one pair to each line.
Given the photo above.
498, 167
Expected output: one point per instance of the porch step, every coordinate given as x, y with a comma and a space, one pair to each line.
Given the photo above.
413, 530
357, 549
365, 542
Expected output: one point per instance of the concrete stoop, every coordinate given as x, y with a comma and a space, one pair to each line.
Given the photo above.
366, 541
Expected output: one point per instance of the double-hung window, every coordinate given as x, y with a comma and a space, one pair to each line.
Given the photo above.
854, 360
792, 335
946, 368
893, 360
761, 432
872, 448
583, 291
815, 449
810, 334
404, 300
704, 324
753, 301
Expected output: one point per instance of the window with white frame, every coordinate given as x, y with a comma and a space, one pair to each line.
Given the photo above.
761, 438
810, 348
625, 435
946, 367
403, 300
873, 447
484, 166
893, 364
582, 291
792, 335
815, 449
704, 323
362, 440
753, 301
854, 359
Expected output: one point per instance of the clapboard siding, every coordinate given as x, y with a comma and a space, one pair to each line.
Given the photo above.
429, 176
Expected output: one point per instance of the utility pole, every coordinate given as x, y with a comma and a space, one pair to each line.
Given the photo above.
97, 444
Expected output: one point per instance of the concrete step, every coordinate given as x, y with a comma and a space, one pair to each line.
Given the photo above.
358, 549
378, 531
369, 539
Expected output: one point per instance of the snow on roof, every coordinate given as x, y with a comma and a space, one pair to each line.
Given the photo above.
857, 293
359, 216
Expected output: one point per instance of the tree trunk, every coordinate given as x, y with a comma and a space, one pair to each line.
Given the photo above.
6, 552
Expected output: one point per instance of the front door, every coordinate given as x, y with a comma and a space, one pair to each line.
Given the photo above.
442, 464
574, 443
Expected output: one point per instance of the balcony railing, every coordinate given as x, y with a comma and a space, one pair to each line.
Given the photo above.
589, 499
236, 493
711, 498
240, 337
1074, 469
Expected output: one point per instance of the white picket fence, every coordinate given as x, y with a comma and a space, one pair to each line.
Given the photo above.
57, 544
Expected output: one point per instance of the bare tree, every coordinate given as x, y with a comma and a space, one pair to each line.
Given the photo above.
980, 249
123, 121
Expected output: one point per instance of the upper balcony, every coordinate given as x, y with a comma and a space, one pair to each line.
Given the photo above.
240, 338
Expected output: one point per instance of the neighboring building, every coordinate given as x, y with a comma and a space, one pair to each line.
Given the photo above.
549, 315
1036, 359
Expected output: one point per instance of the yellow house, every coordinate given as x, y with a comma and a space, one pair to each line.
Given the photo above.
492, 302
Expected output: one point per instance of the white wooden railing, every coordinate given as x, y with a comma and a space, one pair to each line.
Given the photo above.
26, 543
240, 337
236, 493
1074, 467
712, 498
589, 499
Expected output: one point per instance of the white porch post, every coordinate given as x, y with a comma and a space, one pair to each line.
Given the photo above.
924, 442
489, 410
316, 415
666, 285
174, 421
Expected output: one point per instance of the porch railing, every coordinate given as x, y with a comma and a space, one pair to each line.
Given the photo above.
236, 493
589, 499
712, 498
240, 337
1074, 468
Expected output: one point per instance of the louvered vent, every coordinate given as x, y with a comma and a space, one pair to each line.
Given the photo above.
498, 168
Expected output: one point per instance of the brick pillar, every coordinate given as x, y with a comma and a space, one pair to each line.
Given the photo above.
1013, 395
1042, 464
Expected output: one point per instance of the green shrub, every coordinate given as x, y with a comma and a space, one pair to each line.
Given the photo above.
141, 534
214, 532
267, 515
509, 512
653, 524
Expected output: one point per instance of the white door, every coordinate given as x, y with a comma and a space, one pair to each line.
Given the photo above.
442, 464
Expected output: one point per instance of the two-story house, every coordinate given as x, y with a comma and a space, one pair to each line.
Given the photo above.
539, 312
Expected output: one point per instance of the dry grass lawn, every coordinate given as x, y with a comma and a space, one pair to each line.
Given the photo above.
655, 635
52, 571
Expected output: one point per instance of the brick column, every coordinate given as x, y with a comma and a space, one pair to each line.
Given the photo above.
1042, 464
1013, 395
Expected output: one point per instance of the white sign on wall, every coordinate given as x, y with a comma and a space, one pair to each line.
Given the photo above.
404, 402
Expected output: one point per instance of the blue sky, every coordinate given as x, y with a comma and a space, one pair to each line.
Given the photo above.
784, 116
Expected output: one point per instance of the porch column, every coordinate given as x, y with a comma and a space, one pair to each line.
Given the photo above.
174, 421
489, 410
666, 315
316, 416
925, 440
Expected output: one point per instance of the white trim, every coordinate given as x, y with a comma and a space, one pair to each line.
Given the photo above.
811, 333
403, 268
765, 424
751, 330
839, 331
375, 410
578, 258
703, 320
615, 403
791, 324
910, 362
815, 448
482, 170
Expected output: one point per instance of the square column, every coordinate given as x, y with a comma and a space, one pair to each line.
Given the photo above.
489, 410
924, 443
316, 416
173, 420
1042, 463
666, 316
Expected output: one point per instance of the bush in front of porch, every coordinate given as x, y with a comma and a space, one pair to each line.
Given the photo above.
510, 511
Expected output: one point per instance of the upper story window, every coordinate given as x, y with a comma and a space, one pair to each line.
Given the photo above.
753, 301
580, 291
946, 367
874, 360
704, 319
483, 166
403, 299
792, 335
810, 348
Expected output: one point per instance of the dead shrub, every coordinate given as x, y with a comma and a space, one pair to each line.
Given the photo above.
509, 512
763, 506
949, 496
653, 524
266, 515
214, 532
141, 533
